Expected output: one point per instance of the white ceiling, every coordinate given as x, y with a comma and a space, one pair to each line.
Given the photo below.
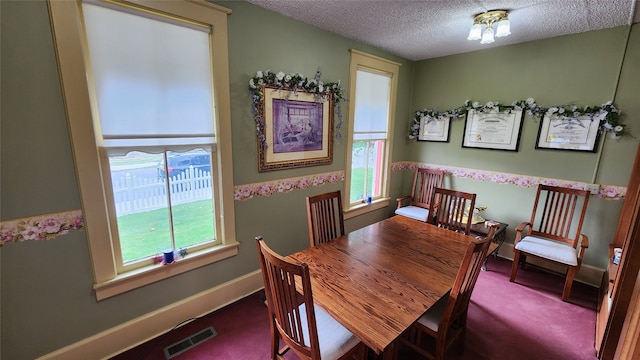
423, 29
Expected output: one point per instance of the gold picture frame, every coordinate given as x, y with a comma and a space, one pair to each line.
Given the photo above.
298, 128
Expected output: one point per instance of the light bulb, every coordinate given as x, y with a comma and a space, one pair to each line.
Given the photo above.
503, 28
475, 32
487, 36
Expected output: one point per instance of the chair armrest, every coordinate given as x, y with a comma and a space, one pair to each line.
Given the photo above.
520, 229
584, 243
401, 199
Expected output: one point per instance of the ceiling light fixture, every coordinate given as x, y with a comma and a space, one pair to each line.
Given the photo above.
486, 20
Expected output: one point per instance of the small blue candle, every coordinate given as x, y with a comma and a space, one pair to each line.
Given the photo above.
168, 256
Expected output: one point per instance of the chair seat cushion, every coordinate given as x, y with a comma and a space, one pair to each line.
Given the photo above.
431, 318
549, 249
414, 212
335, 340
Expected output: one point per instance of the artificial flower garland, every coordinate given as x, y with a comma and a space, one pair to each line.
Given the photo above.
607, 114
293, 82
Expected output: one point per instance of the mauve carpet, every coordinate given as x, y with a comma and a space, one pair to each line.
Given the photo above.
525, 320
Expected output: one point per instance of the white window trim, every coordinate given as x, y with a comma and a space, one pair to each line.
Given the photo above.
361, 60
66, 26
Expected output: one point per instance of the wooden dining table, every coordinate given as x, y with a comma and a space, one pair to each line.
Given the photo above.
378, 280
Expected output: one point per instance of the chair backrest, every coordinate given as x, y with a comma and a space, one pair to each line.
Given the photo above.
324, 214
554, 211
425, 181
450, 210
283, 301
465, 281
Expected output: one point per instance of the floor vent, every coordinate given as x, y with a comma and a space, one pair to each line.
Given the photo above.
189, 342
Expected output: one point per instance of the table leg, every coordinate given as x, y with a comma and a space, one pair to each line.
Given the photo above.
498, 239
389, 353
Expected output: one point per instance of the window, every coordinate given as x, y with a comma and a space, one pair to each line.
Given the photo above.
373, 83
150, 125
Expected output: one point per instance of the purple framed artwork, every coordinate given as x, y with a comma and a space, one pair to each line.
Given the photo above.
298, 130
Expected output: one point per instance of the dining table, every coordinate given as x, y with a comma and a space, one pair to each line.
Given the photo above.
378, 280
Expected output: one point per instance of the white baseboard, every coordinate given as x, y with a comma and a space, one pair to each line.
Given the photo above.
588, 274
144, 328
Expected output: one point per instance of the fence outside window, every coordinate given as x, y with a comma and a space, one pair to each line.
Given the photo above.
135, 194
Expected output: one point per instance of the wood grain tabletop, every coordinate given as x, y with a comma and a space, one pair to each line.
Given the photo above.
378, 280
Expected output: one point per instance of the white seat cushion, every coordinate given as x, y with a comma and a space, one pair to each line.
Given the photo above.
549, 249
335, 340
414, 212
431, 318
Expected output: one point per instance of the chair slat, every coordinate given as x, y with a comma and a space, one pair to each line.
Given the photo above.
453, 318
450, 209
424, 183
556, 221
287, 321
325, 218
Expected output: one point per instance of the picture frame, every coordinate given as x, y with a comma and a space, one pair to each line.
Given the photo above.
298, 128
434, 129
562, 133
493, 130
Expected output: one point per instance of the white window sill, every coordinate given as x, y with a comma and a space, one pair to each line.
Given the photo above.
364, 208
149, 274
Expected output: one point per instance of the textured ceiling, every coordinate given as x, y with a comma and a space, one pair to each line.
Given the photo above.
423, 29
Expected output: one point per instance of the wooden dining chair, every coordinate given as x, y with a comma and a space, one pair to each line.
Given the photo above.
309, 331
444, 324
554, 232
449, 213
417, 205
325, 218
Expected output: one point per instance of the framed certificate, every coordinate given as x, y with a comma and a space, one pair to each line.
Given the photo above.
493, 130
561, 133
434, 129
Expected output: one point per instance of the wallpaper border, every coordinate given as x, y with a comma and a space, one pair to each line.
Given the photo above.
41, 227
50, 226
607, 192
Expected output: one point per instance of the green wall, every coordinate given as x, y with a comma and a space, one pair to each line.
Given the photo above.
46, 287
581, 69
46, 293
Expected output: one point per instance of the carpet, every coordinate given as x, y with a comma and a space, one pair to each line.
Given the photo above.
525, 320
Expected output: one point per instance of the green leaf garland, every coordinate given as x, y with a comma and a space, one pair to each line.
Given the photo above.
607, 114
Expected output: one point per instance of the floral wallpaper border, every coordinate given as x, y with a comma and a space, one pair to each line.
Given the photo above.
607, 192
268, 188
50, 226
41, 227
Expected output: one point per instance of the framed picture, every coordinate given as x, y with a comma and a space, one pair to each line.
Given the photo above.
578, 134
493, 130
434, 129
298, 127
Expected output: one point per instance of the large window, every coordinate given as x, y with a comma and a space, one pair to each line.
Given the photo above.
150, 118
373, 83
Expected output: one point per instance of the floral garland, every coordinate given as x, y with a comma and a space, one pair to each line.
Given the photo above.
293, 82
607, 114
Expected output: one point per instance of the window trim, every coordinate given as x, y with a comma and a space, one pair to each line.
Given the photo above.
361, 60
66, 23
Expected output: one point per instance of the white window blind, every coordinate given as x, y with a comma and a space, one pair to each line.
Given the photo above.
147, 74
372, 105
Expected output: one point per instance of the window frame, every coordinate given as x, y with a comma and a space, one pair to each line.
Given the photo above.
91, 162
375, 64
